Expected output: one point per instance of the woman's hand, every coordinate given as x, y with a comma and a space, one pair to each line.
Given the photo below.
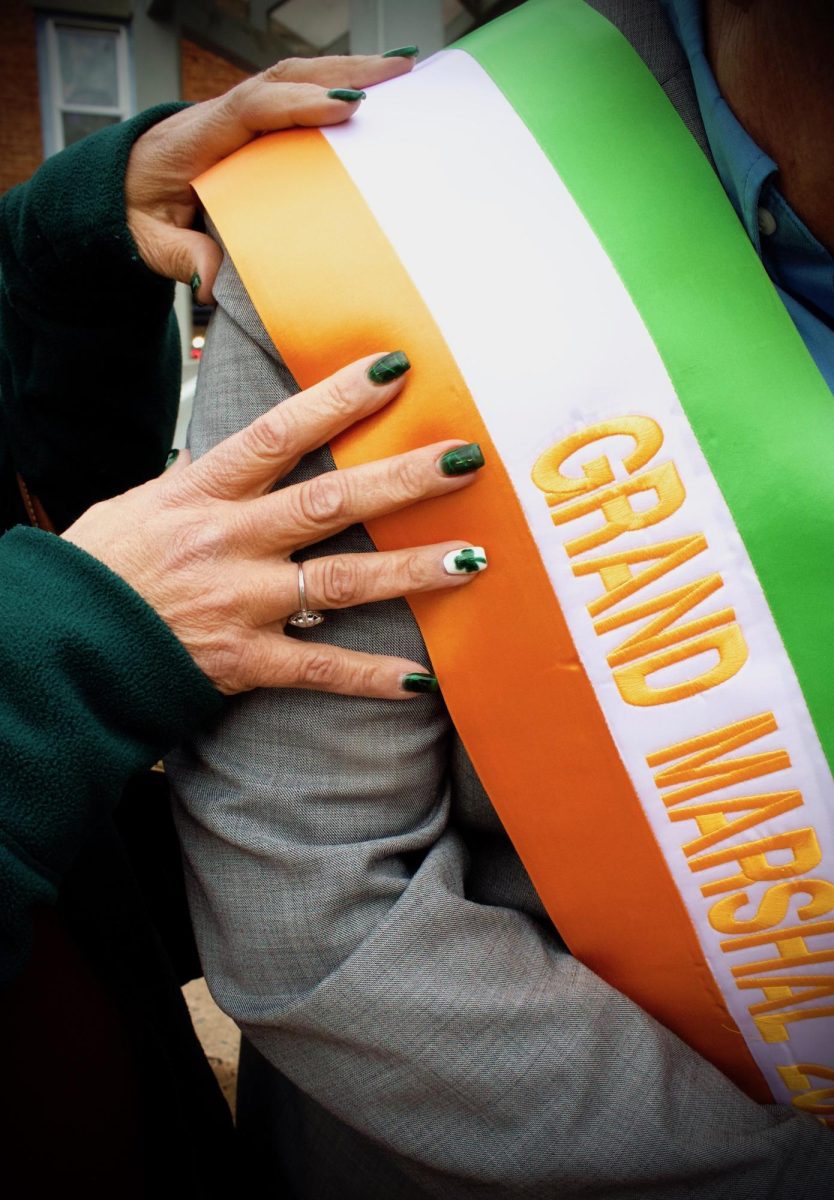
208, 544
161, 205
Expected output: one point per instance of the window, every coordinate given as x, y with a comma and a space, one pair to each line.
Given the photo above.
85, 84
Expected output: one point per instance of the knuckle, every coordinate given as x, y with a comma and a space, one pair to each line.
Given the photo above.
414, 572
230, 102
284, 69
196, 541
265, 439
343, 396
409, 476
227, 666
318, 670
340, 583
323, 500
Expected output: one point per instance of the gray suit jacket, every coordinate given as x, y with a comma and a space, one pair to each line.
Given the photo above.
416, 1026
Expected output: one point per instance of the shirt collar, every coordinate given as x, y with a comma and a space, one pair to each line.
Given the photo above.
742, 166
793, 257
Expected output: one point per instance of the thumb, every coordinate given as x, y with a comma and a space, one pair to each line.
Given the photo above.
178, 460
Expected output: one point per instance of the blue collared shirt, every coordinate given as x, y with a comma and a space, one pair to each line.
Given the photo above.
800, 267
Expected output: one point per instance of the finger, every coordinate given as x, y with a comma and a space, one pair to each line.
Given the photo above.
221, 126
278, 661
292, 93
179, 253
268, 107
343, 580
248, 463
205, 257
308, 512
192, 258
342, 70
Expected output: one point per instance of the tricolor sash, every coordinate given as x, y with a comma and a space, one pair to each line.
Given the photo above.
645, 676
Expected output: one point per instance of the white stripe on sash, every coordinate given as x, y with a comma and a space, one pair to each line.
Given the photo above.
550, 343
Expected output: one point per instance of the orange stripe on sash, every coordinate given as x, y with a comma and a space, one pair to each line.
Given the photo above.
330, 288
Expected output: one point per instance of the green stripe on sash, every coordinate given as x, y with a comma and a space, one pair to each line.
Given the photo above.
762, 413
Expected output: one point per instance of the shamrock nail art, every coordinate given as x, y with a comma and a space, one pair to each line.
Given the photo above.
465, 561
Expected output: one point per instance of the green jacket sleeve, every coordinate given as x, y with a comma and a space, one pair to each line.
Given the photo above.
89, 349
94, 688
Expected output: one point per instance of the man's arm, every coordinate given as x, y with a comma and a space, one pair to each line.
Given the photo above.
350, 894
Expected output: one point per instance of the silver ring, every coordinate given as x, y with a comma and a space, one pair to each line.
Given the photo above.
306, 617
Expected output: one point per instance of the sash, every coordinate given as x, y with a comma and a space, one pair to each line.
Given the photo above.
644, 678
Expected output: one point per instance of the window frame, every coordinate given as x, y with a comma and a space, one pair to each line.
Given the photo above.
53, 107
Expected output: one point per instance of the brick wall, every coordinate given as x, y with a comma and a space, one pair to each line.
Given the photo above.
21, 148
205, 75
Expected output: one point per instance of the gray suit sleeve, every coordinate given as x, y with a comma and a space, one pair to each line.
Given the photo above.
363, 918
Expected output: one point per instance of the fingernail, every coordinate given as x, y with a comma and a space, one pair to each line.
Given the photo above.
402, 52
419, 681
195, 284
390, 366
466, 561
462, 460
172, 458
347, 94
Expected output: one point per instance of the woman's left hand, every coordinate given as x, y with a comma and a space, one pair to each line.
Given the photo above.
208, 545
160, 202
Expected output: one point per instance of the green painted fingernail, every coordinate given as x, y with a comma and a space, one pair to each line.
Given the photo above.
462, 460
195, 283
172, 458
390, 366
466, 561
402, 52
349, 95
419, 681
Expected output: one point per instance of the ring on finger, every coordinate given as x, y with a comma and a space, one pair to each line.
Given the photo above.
306, 617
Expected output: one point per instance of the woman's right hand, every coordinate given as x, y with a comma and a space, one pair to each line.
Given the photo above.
161, 204
208, 544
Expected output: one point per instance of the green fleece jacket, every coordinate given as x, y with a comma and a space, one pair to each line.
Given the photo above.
93, 685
